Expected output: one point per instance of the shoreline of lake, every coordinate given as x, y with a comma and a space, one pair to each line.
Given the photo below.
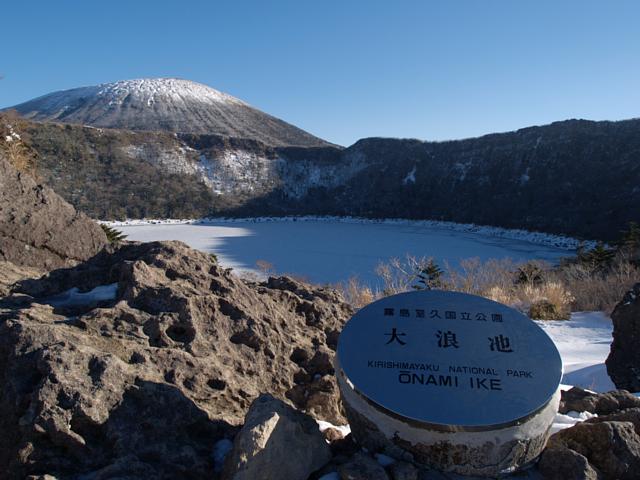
563, 242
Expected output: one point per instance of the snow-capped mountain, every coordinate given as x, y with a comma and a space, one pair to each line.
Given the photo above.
165, 104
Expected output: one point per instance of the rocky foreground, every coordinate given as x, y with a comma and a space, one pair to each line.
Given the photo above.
149, 380
182, 355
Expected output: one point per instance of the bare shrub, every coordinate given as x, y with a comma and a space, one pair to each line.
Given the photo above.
598, 291
481, 278
299, 278
13, 144
356, 293
499, 294
265, 267
250, 276
401, 275
535, 288
547, 301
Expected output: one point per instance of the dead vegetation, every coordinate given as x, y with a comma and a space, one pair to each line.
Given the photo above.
14, 144
593, 280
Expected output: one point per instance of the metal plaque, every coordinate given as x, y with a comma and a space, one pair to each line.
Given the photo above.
450, 359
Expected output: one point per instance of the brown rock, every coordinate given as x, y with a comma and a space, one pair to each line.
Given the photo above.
145, 383
631, 415
332, 435
623, 362
578, 400
565, 464
38, 228
546, 310
11, 273
276, 442
611, 448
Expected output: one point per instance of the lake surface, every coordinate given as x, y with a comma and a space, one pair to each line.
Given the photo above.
332, 251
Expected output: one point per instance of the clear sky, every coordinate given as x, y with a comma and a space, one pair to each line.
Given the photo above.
344, 70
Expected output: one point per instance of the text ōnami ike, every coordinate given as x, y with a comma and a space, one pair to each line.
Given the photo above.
462, 383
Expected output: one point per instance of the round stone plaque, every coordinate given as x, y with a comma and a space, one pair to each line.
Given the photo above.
449, 361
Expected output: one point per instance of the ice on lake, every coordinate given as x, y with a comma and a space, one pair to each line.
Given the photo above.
333, 251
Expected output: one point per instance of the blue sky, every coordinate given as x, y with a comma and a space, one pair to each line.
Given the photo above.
344, 70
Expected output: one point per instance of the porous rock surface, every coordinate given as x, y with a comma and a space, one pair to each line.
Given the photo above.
11, 273
144, 384
623, 362
38, 228
276, 442
579, 400
606, 447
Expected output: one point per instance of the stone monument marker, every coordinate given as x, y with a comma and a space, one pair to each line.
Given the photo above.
462, 383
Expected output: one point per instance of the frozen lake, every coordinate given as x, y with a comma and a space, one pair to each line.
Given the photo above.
331, 251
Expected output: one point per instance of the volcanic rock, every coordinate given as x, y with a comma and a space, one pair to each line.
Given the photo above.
623, 362
276, 442
606, 447
566, 464
332, 435
38, 228
11, 273
578, 400
145, 382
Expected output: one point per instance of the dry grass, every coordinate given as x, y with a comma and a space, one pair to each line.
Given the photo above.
355, 293
598, 291
482, 278
265, 267
399, 275
12, 143
535, 288
549, 292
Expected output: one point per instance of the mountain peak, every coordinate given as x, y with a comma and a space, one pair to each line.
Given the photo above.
165, 104
150, 89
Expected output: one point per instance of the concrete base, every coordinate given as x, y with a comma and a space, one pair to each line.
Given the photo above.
488, 453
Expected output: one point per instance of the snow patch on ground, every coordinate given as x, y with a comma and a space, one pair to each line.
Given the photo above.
343, 429
74, 298
569, 420
583, 343
12, 135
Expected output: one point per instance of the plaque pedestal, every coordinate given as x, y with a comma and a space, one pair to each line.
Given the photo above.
453, 381
482, 452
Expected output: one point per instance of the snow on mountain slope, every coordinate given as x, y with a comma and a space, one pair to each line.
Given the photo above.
236, 171
165, 104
